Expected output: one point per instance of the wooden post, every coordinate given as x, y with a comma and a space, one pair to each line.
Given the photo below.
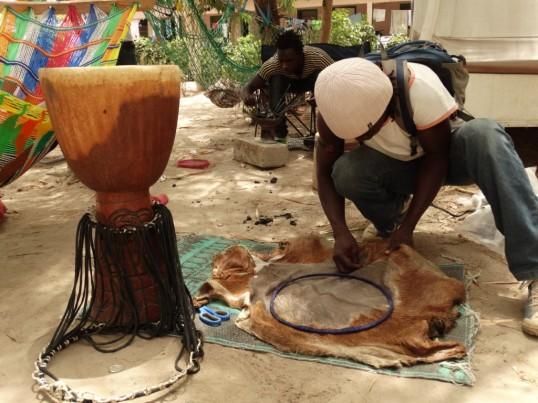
326, 20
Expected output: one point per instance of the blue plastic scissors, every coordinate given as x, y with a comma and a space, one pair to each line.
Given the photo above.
213, 317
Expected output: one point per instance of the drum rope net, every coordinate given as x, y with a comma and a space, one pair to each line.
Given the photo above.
102, 255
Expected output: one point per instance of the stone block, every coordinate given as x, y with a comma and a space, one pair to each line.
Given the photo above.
262, 155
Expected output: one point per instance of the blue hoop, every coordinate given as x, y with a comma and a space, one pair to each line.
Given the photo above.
343, 330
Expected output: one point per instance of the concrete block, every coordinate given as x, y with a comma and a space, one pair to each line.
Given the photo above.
262, 155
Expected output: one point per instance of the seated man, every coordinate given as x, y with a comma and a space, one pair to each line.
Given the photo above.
293, 68
354, 102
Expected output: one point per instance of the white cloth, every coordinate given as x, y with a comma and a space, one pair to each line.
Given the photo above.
351, 95
431, 103
481, 30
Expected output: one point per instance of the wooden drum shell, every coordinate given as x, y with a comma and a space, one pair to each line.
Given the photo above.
116, 127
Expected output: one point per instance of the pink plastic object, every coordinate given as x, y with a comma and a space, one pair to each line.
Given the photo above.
3, 211
193, 164
161, 199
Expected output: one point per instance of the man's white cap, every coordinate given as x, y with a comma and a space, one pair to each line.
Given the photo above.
351, 94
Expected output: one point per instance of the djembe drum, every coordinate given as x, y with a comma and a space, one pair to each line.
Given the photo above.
116, 128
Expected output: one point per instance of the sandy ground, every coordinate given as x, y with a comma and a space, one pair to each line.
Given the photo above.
36, 269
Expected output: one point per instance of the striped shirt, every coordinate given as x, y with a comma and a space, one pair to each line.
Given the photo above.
315, 60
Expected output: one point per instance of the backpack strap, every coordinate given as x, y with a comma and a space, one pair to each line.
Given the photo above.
402, 80
397, 71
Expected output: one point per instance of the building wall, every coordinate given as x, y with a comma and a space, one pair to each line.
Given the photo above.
384, 26
303, 7
359, 7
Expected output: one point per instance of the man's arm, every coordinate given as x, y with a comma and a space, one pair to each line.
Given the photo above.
431, 176
328, 149
256, 83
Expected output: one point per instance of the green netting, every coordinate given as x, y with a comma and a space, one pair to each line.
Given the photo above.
202, 50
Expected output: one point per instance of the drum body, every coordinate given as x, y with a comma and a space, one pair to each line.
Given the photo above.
116, 127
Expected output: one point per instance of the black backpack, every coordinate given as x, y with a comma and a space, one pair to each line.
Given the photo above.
449, 68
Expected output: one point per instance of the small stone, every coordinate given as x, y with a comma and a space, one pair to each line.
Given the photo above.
115, 368
264, 221
274, 179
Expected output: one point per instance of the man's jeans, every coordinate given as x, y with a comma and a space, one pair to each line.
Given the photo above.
481, 152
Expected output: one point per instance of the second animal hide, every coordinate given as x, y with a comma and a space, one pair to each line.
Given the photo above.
233, 268
424, 298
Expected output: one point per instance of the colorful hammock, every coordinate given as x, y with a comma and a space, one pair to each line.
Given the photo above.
59, 36
25, 136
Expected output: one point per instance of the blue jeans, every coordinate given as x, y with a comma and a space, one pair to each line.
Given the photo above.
481, 152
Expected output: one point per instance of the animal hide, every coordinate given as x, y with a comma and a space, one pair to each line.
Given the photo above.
231, 273
424, 302
233, 268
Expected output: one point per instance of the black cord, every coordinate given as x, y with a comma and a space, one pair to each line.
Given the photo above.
105, 260
449, 212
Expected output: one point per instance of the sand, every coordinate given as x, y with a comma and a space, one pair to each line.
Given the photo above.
36, 272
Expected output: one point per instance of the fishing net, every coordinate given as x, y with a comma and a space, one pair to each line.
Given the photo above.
206, 59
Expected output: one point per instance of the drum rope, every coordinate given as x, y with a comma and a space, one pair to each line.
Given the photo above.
102, 255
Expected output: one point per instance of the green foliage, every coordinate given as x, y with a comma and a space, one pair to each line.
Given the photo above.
201, 63
149, 52
246, 52
343, 31
286, 5
313, 33
174, 51
245, 17
346, 33
397, 39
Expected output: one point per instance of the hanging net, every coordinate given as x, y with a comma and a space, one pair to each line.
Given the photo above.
30, 40
206, 57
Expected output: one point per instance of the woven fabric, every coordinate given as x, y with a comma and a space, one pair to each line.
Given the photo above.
25, 136
29, 42
196, 253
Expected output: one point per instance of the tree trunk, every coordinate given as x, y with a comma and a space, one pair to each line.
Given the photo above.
326, 20
235, 27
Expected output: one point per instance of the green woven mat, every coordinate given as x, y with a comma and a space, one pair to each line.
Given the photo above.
196, 253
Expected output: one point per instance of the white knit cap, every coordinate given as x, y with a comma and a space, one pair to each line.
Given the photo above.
351, 94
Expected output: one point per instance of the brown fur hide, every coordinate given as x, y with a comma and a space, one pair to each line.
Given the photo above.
234, 268
424, 301
230, 278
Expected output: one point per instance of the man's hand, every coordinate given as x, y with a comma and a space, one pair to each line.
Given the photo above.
246, 94
346, 254
401, 235
247, 97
